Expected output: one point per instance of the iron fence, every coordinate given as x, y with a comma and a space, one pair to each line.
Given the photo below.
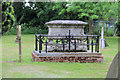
91, 40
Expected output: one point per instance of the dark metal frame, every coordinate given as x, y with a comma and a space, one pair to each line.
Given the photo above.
40, 39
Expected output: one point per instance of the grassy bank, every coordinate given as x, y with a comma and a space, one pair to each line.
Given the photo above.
29, 69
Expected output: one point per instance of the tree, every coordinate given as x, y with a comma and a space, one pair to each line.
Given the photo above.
118, 21
89, 11
83, 11
43, 12
18, 9
8, 17
34, 15
109, 12
25, 14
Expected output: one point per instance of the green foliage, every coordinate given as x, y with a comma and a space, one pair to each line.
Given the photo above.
109, 11
81, 9
8, 17
118, 21
110, 32
38, 13
118, 27
45, 13
88, 11
26, 30
35, 15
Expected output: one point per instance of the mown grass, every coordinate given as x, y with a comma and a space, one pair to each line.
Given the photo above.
29, 69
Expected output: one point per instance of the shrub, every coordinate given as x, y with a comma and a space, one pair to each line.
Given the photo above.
12, 31
118, 26
110, 32
26, 30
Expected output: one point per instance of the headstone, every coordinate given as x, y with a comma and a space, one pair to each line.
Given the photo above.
102, 40
114, 68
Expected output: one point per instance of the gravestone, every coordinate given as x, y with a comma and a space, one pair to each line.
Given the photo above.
102, 40
62, 28
113, 71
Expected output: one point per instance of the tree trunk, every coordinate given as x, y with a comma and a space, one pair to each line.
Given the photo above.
91, 28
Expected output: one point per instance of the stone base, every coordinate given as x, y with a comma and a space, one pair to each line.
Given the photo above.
81, 57
102, 43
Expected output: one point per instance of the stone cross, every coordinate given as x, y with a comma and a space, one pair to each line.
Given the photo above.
102, 40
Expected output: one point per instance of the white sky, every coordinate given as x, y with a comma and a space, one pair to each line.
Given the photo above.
27, 4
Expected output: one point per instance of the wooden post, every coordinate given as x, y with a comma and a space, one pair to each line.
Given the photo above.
19, 39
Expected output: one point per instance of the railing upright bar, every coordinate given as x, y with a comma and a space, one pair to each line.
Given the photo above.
98, 41
96, 45
69, 38
92, 46
63, 45
75, 45
36, 40
46, 45
40, 42
87, 41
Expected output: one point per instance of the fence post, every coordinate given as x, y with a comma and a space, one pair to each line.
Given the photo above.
92, 46
36, 48
87, 41
40, 42
96, 44
98, 41
69, 36
63, 45
46, 45
75, 45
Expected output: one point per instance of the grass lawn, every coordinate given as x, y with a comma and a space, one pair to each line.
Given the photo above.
29, 69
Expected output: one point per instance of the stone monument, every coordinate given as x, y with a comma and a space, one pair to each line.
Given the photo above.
66, 42
102, 40
62, 28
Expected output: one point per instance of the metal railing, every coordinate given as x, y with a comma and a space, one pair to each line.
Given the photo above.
67, 39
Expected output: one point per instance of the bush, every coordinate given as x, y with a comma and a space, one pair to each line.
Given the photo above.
118, 26
12, 31
110, 31
96, 28
26, 30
